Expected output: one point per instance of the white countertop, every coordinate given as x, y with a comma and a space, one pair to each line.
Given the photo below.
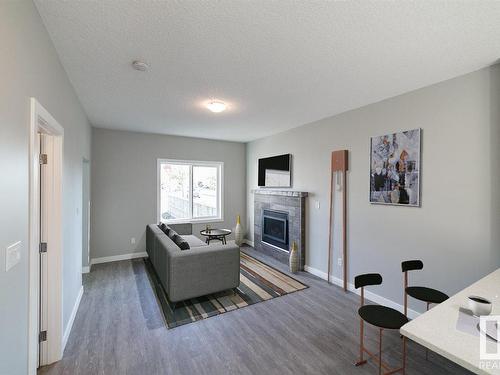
437, 328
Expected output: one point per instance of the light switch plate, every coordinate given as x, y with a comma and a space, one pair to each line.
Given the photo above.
12, 255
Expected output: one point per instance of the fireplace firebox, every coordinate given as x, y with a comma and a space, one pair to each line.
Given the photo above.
275, 229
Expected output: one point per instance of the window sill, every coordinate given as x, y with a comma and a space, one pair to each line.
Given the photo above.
193, 221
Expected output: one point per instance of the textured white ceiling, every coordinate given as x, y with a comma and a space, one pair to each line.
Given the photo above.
279, 64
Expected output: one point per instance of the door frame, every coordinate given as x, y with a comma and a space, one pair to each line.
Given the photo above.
86, 207
41, 121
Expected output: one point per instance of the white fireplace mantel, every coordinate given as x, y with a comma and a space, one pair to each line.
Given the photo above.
285, 193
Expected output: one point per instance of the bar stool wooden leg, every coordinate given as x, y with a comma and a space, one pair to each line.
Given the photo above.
361, 340
361, 360
427, 350
404, 355
380, 353
405, 285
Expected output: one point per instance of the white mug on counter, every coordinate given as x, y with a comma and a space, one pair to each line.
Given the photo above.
479, 306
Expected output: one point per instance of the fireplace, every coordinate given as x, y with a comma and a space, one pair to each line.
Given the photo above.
275, 229
280, 220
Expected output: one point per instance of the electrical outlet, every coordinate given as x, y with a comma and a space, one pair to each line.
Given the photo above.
132, 240
317, 205
339, 261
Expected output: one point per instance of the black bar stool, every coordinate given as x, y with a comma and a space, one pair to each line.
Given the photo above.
381, 317
422, 293
427, 295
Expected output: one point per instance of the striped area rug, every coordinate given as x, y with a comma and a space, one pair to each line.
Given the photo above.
258, 282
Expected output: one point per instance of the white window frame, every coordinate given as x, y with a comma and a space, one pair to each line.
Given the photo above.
192, 163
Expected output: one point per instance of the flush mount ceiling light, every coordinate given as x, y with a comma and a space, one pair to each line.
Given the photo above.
140, 65
216, 106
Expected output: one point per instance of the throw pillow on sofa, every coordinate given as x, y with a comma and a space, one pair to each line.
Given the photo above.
165, 228
181, 242
176, 238
172, 233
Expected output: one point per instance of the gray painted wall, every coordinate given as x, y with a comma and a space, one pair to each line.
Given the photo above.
30, 67
124, 189
455, 232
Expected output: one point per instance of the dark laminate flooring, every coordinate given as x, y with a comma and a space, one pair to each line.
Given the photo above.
119, 329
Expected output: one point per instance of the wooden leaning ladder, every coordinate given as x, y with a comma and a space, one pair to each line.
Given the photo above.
339, 164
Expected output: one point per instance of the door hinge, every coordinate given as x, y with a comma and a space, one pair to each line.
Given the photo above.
43, 159
42, 336
43, 247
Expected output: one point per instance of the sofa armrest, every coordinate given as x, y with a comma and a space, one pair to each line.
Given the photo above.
203, 270
164, 247
152, 231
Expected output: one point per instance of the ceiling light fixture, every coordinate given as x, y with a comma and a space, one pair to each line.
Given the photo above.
216, 106
140, 65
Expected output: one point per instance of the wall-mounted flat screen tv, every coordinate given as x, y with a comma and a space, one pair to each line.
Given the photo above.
275, 171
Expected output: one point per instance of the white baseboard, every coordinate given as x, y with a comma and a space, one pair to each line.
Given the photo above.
67, 331
412, 314
86, 269
115, 258
248, 242
316, 272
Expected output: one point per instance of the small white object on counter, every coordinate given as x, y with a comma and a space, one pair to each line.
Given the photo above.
479, 306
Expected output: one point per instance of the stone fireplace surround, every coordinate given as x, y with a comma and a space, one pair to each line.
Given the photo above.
291, 202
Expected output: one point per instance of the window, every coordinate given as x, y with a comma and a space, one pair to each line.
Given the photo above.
189, 191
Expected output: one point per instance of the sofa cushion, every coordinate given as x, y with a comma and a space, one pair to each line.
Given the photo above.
182, 229
181, 242
194, 241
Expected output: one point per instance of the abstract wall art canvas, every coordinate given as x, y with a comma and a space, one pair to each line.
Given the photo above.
395, 168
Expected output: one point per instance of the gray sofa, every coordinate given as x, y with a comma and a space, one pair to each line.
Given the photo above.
200, 270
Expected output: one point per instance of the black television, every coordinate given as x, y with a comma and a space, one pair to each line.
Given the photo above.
275, 171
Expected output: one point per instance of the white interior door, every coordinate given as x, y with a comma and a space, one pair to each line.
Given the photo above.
45, 226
